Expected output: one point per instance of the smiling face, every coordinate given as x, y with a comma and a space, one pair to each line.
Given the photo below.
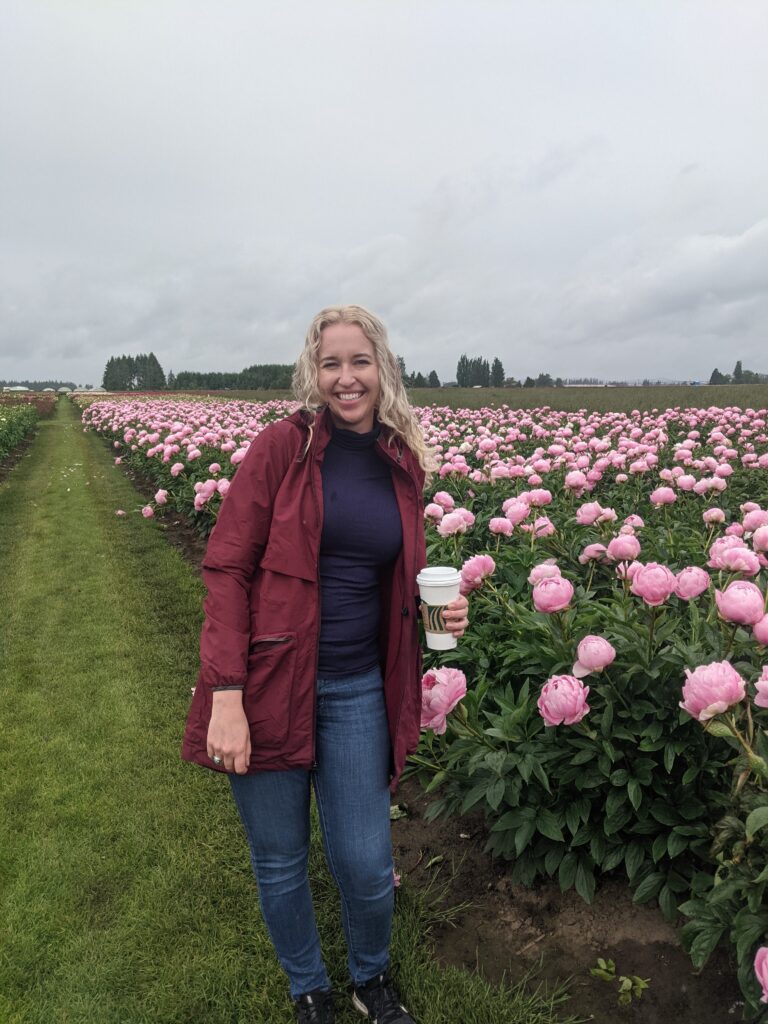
348, 376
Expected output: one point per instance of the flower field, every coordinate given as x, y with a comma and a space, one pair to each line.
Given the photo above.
615, 715
17, 420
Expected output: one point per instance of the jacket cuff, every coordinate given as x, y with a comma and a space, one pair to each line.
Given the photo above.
221, 689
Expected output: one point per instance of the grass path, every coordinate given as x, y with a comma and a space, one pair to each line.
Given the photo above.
125, 889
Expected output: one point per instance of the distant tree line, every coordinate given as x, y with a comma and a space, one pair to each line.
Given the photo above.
133, 373
417, 379
37, 385
258, 376
739, 376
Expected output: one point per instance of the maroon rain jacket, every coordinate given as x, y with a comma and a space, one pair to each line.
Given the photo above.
262, 612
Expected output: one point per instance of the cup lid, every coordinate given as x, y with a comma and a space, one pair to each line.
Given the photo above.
437, 574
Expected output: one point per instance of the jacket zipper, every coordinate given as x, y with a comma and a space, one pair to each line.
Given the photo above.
315, 765
415, 570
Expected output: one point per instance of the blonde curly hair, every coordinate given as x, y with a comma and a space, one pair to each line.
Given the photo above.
393, 410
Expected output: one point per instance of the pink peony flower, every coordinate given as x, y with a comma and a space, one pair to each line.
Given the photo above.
654, 583
740, 560
761, 971
634, 521
119, 512
754, 519
691, 582
710, 690
623, 548
452, 523
177, 468
214, 468
474, 571
760, 539
741, 602
444, 499
539, 497
608, 515
663, 496
713, 515
516, 511
719, 546
441, 691
223, 486
592, 655
563, 701
500, 524
575, 480
588, 513
593, 553
760, 631
118, 460
543, 571
147, 511
161, 497
542, 526
552, 594
761, 698
433, 511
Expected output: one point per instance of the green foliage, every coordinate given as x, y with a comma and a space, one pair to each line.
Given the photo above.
629, 986
133, 373
260, 375
638, 786
473, 372
497, 374
16, 422
728, 898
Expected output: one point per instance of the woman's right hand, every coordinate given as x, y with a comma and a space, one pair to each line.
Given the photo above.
228, 734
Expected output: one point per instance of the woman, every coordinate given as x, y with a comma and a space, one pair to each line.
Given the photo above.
310, 660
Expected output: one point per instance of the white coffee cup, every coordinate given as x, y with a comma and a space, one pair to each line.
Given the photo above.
438, 586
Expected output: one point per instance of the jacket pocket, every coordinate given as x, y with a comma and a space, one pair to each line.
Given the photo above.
269, 688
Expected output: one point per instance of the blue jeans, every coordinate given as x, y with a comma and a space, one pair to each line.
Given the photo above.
351, 783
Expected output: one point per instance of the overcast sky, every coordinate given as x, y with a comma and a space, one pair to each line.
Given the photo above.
577, 186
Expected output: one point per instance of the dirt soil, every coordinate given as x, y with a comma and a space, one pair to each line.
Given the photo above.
506, 930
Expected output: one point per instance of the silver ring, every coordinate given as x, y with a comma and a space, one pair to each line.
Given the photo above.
216, 760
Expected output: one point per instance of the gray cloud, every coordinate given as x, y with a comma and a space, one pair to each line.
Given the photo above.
570, 187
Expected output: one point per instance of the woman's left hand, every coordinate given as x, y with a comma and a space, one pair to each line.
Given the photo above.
455, 616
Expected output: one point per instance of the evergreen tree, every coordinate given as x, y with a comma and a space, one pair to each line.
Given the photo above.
403, 372
434, 380
155, 378
529, 382
463, 372
717, 377
497, 374
171, 381
544, 381
108, 380
419, 381
738, 373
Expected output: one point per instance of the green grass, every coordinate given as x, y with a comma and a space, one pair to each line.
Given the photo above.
746, 396
126, 895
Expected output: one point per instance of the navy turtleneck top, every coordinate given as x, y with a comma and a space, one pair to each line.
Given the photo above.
362, 535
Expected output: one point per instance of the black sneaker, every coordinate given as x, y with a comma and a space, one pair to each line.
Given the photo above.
379, 1001
315, 1008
